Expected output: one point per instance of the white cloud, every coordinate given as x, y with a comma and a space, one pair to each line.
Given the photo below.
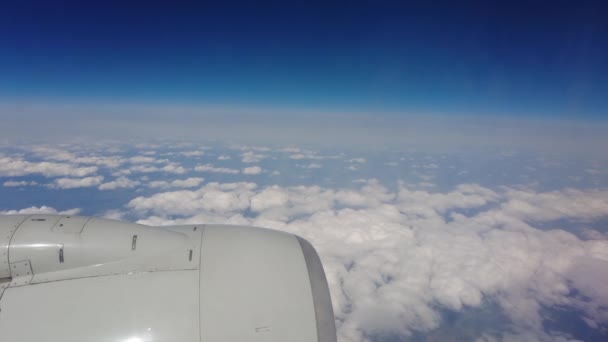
271, 197
145, 168
252, 157
224, 157
173, 168
377, 130
196, 153
58, 154
178, 183
213, 169
142, 160
394, 259
291, 149
72, 183
253, 148
119, 183
213, 197
253, 170
429, 166
114, 214
298, 156
465, 196
17, 166
53, 153
313, 166
40, 210
19, 183
568, 203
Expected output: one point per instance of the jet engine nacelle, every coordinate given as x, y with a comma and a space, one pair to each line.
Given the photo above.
72, 278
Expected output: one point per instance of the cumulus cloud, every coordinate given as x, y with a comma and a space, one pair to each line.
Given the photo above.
196, 153
173, 168
40, 210
191, 182
272, 197
72, 183
142, 160
213, 197
19, 183
396, 259
298, 154
59, 154
253, 170
313, 166
213, 169
119, 183
569, 203
114, 214
17, 166
252, 157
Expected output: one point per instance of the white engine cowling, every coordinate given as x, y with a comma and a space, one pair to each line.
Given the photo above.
71, 278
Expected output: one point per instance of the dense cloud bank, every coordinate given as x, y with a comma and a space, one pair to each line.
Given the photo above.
407, 239
395, 260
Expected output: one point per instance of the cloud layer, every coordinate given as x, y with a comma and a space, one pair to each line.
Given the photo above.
437, 131
401, 259
396, 260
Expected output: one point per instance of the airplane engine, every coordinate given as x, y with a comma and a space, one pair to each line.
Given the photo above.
73, 278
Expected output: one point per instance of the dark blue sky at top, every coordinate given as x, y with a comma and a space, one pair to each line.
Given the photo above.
542, 58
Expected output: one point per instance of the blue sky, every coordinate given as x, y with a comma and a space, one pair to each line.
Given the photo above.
541, 59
